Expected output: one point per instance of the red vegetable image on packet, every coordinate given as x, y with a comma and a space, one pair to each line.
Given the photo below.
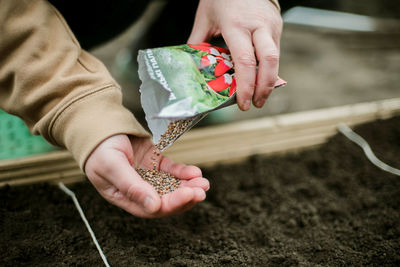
185, 81
218, 63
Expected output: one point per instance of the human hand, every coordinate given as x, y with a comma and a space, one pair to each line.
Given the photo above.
111, 169
252, 31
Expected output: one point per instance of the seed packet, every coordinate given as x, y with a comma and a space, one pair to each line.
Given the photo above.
182, 84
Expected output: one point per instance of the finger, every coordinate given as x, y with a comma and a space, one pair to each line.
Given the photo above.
185, 172
200, 31
120, 200
267, 54
179, 170
118, 172
242, 51
198, 195
174, 201
198, 36
196, 182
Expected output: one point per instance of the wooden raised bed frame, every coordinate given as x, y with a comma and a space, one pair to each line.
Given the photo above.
218, 144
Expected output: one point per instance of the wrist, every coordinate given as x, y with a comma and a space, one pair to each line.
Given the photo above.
90, 120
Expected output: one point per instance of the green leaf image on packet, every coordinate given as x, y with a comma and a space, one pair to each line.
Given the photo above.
184, 83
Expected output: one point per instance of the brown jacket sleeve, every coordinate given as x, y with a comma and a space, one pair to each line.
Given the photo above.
58, 89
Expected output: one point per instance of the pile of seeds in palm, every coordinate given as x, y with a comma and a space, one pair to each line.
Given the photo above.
164, 182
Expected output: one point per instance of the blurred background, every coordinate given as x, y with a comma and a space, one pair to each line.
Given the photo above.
333, 53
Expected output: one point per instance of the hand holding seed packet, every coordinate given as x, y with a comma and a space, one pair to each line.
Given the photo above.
182, 84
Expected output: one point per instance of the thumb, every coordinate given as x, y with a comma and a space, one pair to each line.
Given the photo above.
118, 171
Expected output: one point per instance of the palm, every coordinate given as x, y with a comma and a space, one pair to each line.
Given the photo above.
111, 169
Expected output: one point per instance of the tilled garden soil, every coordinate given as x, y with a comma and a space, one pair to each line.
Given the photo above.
329, 206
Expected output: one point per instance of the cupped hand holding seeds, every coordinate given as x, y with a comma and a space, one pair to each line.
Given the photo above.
111, 169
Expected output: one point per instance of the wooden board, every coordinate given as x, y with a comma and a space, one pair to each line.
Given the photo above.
219, 144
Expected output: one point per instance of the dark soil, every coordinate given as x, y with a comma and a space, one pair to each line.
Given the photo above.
329, 206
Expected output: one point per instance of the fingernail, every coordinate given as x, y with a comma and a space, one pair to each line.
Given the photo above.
149, 205
246, 104
260, 103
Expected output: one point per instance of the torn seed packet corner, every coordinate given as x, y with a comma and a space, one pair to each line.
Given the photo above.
185, 82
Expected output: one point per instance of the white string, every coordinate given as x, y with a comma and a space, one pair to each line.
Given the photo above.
349, 133
78, 207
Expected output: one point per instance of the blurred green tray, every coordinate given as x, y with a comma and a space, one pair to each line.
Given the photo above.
16, 140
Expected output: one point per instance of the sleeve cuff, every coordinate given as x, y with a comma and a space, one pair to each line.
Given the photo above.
90, 119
